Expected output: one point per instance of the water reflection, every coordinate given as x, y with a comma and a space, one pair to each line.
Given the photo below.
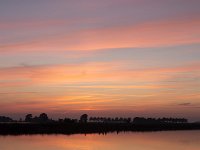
180, 140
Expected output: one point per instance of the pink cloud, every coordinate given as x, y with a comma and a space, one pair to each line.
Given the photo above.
152, 34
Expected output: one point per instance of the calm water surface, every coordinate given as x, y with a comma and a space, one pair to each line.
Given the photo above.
178, 140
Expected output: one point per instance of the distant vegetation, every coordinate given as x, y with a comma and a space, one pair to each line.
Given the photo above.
42, 124
43, 118
5, 119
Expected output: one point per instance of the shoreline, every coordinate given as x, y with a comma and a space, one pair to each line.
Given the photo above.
88, 128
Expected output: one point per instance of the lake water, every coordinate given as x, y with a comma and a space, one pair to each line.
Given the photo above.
166, 140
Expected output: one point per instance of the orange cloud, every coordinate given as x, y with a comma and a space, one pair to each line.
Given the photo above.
90, 72
64, 87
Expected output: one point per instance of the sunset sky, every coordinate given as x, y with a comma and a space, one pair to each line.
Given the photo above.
122, 58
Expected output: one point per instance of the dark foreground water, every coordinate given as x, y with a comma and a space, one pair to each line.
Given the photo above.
166, 140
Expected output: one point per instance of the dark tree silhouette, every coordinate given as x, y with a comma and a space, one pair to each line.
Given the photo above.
43, 117
29, 118
141, 120
84, 118
5, 119
44, 125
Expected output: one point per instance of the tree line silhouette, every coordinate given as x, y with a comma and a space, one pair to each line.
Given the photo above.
5, 119
43, 118
42, 124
